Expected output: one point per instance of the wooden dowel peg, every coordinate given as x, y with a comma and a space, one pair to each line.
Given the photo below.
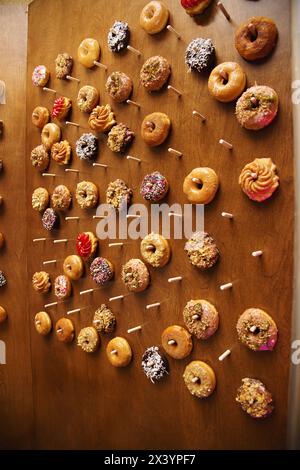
170, 87
49, 174
195, 380
72, 218
51, 305
196, 180
135, 51
226, 286
39, 240
114, 351
129, 157
98, 64
134, 103
87, 291
173, 30
71, 170
72, 79
195, 317
62, 240
171, 342
226, 144
110, 245
136, 328
59, 330
175, 152
224, 11
76, 310
117, 297
50, 90
36, 115
254, 101
175, 279
254, 176
156, 304
99, 217
227, 215
257, 253
96, 322
253, 329
196, 113
38, 322
133, 216
51, 261
100, 164
174, 214
225, 354
71, 123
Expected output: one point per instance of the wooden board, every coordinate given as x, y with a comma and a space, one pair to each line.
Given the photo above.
81, 401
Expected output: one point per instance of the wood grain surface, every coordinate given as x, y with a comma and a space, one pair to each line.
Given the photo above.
80, 400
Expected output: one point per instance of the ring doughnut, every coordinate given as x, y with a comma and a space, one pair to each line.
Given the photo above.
51, 134
118, 36
88, 339
155, 250
254, 398
88, 98
227, 81
40, 199
256, 38
257, 107
88, 52
87, 194
257, 330
155, 128
135, 275
259, 179
62, 287
65, 330
50, 219
40, 157
154, 364
73, 267
40, 116
119, 352
206, 383
155, 73
42, 323
177, 341
195, 7
61, 198
201, 318
154, 187
40, 76
104, 320
202, 250
63, 65
200, 186
102, 271
154, 17
119, 86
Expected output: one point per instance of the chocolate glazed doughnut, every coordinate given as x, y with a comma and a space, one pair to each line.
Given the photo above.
256, 38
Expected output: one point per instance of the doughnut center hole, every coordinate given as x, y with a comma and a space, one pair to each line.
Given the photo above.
254, 102
224, 77
151, 248
252, 32
196, 380
255, 330
150, 13
150, 126
198, 183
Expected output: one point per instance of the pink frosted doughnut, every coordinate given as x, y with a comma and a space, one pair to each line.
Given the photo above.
257, 107
40, 75
257, 330
201, 318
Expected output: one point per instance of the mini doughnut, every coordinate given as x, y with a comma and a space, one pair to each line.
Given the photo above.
154, 364
118, 36
118, 194
154, 187
102, 119
3, 315
62, 287
154, 17
155, 73
73, 267
257, 330
254, 398
119, 352
86, 245
40, 76
42, 323
61, 108
201, 318
135, 275
200, 186
259, 179
177, 341
88, 339
102, 271
50, 219
61, 152
63, 65
50, 135
256, 38
87, 195
65, 330
40, 199
155, 129
88, 52
40, 116
40, 157
88, 98
119, 138
227, 81
195, 7
155, 250
206, 383
41, 282
119, 86
104, 320
200, 54
202, 250
257, 107
61, 198
87, 147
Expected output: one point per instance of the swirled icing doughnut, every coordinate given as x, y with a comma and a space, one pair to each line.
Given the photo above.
88, 98
195, 7
200, 54
254, 398
40, 157
154, 187
65, 330
42, 323
155, 250
257, 107
206, 383
40, 76
119, 86
177, 342
102, 271
40, 116
119, 138
135, 275
88, 52
3, 280
201, 318
202, 250
256, 38
61, 108
40, 199
257, 330
87, 147
118, 194
154, 364
86, 245
62, 287
88, 339
63, 65
50, 219
50, 135
118, 36
155, 128
200, 186
259, 179
155, 73
3, 315
73, 267
61, 198
102, 119
87, 194
61, 152
119, 352
154, 17
227, 81
104, 320
41, 282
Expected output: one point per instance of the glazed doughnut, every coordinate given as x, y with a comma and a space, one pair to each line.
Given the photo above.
87, 147
135, 275
61, 107
3, 315
201, 318
40, 199
102, 119
118, 36
257, 107
104, 320
155, 250
202, 250
200, 186
119, 138
88, 339
43, 323
63, 65
256, 38
40, 76
73, 267
154, 187
61, 198
257, 330
87, 195
65, 330
119, 352
50, 135
155, 73
102, 271
40, 116
62, 287
88, 52
41, 282
61, 152
119, 86
195, 7
86, 245
154, 17
259, 179
177, 342
154, 364
50, 219
206, 383
118, 194
200, 54
40, 157
155, 129
227, 81
88, 98
254, 398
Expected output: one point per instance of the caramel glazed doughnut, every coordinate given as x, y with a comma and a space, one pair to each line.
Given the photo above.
177, 341
256, 38
155, 128
154, 17
119, 352
155, 250
227, 81
200, 379
200, 186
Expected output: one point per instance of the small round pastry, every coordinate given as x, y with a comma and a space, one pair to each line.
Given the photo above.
62, 287
135, 275
61, 108
40, 116
40, 75
200, 54
3, 280
155, 250
42, 323
177, 342
64, 329
155, 73
257, 330
227, 82
88, 98
202, 250
40, 199
88, 339
86, 245
2, 240
73, 267
87, 147
104, 320
102, 271
201, 318
61, 152
206, 383
87, 194
102, 119
51, 134
200, 186
119, 138
50, 219
195, 7
257, 107
88, 52
61, 198
118, 194
119, 86
154, 17
254, 398
40, 157
41, 282
3, 315
63, 65
256, 38
154, 187
155, 129
259, 179
119, 352
154, 364
118, 36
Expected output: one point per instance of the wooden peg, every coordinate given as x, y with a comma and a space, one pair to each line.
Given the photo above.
196, 113
51, 261
224, 11
136, 328
174, 214
171, 342
72, 79
226, 286
49, 174
257, 253
254, 176
226, 144
117, 297
195, 317
134, 103
114, 351
71, 123
175, 279
175, 90
50, 90
227, 215
71, 170
76, 310
51, 305
175, 152
156, 304
135, 51
39, 240
72, 218
87, 291
133, 216
129, 157
173, 30
195, 380
98, 64
110, 245
100, 164
225, 354
99, 217
62, 240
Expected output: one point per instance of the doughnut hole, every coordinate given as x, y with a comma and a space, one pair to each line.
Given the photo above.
198, 184
252, 33
150, 12
150, 126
